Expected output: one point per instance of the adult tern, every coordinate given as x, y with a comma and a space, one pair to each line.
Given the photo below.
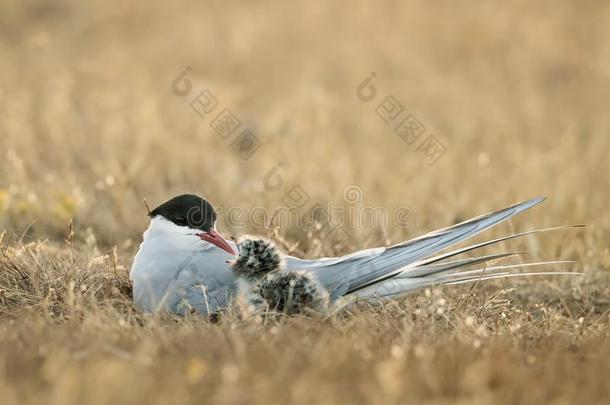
185, 265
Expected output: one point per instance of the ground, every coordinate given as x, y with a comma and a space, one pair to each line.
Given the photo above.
105, 104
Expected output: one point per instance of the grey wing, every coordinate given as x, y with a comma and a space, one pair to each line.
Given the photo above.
207, 286
355, 271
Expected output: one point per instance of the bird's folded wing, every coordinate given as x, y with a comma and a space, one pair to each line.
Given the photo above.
352, 272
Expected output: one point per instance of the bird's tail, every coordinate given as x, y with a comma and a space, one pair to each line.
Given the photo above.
404, 283
436, 271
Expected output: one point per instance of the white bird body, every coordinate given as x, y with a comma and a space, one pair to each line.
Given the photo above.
173, 265
177, 270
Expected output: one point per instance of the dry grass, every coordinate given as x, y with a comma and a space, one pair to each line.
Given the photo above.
89, 127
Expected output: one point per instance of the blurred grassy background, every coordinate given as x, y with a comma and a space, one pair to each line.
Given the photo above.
518, 93
90, 125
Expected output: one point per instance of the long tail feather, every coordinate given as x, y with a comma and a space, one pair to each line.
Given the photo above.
428, 269
470, 248
509, 275
402, 285
422, 267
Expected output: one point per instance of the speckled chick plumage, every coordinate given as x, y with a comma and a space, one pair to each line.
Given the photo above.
262, 283
256, 258
292, 293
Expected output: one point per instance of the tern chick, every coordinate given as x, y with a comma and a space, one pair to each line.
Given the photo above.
262, 284
292, 293
256, 258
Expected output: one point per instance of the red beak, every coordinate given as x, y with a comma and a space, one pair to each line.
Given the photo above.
216, 239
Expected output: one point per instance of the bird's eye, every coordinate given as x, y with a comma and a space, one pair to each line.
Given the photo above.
180, 221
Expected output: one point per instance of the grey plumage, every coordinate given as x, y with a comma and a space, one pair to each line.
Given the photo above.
370, 268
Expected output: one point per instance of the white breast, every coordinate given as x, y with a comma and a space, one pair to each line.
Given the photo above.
175, 270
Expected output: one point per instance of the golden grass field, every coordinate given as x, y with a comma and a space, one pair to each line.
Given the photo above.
517, 92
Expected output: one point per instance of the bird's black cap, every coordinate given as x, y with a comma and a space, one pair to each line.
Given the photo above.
187, 210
